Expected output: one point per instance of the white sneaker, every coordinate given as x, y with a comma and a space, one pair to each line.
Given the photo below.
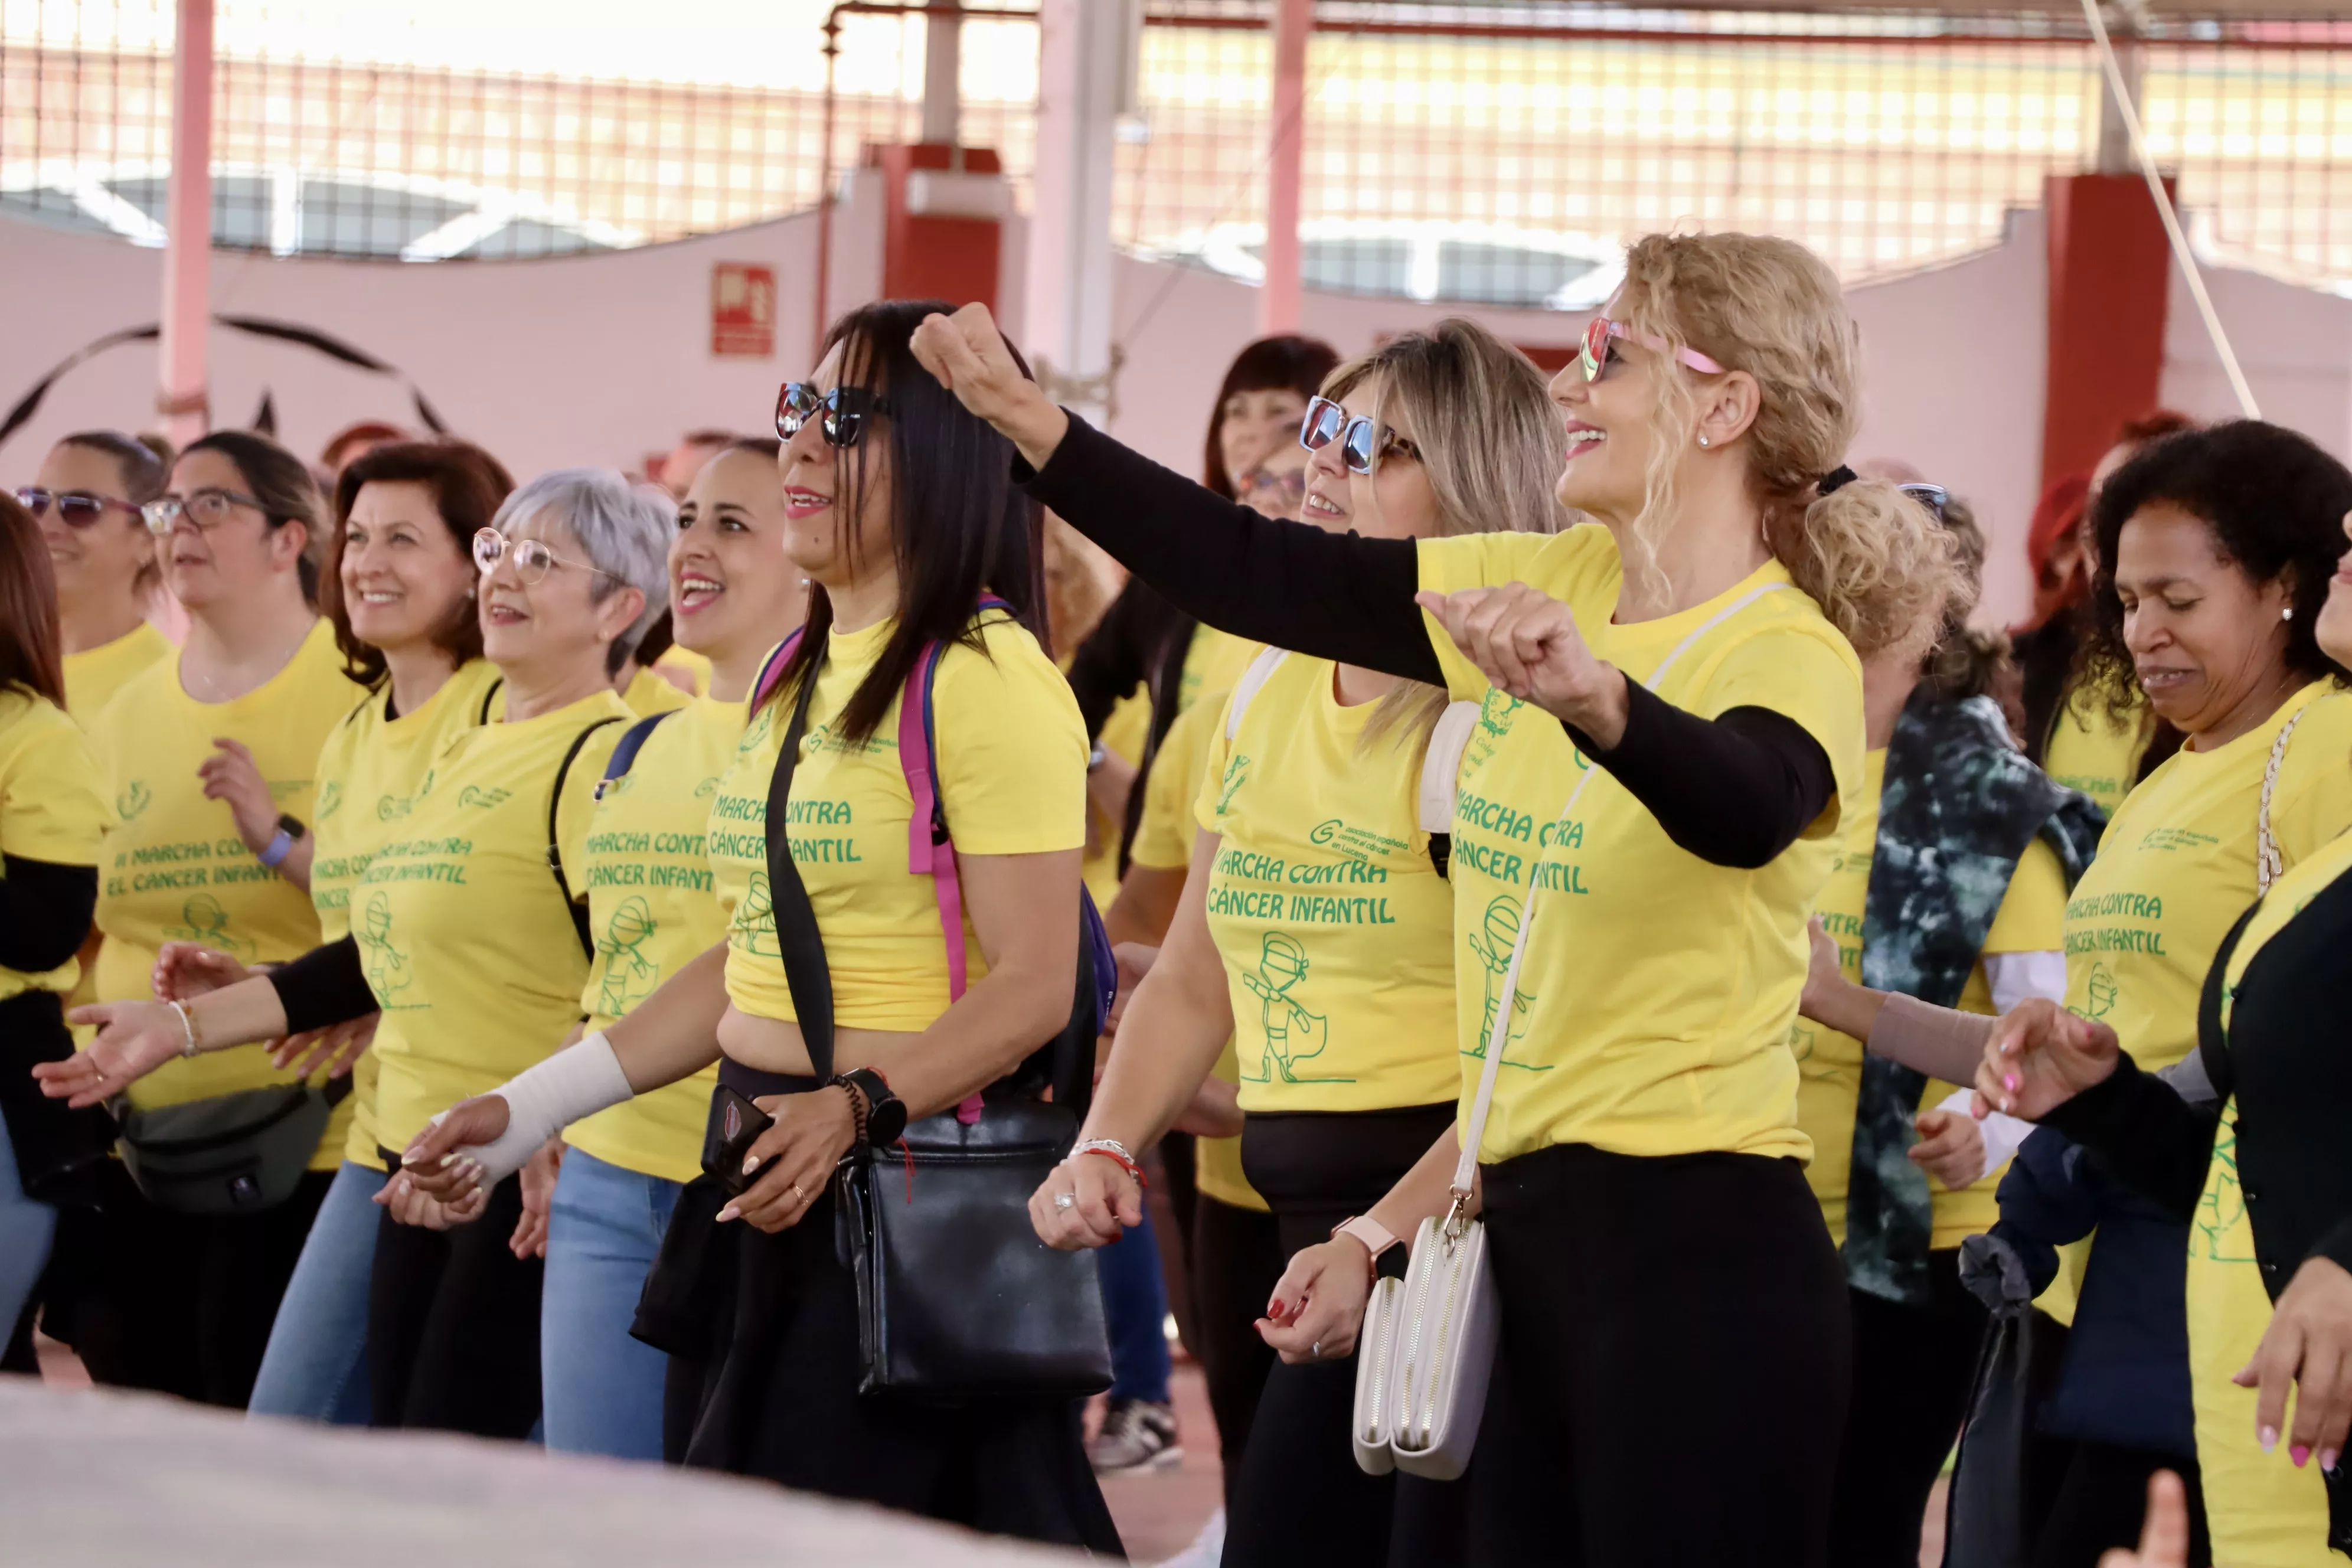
1136, 1434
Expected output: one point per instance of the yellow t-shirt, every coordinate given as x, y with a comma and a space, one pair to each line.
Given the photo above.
1012, 779
368, 773
2095, 754
1214, 660
2175, 868
94, 675
52, 806
1164, 832
1653, 1015
649, 694
1336, 931
465, 938
173, 868
1125, 734
1829, 1061
651, 911
692, 663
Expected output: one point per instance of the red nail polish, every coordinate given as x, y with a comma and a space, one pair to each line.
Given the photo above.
1274, 1308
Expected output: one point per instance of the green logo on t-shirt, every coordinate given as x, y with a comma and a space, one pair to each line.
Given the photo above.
137, 798
330, 799
1293, 1034
385, 965
1236, 769
1492, 944
629, 975
203, 920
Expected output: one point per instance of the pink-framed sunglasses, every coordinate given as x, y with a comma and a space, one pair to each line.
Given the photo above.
1595, 355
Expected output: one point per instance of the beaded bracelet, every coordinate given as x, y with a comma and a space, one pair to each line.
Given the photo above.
188, 1026
1114, 1150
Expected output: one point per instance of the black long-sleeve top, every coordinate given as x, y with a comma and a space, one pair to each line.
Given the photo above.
325, 986
1734, 790
2287, 1057
45, 910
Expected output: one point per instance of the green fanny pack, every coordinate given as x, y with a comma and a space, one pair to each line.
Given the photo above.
234, 1153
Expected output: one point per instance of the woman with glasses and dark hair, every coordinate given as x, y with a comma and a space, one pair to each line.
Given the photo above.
899, 508
87, 498
1340, 1009
52, 815
1672, 725
399, 589
467, 933
187, 1281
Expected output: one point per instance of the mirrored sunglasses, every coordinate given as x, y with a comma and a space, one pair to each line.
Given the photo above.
842, 413
1362, 442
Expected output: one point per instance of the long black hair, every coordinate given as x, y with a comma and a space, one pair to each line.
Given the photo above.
959, 526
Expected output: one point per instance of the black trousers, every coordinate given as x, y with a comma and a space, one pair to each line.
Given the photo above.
183, 1303
452, 1324
1298, 1496
2102, 1500
1912, 1369
1236, 1261
1673, 1379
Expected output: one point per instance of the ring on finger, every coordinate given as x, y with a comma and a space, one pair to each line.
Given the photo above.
1314, 1351
1066, 1200
798, 1194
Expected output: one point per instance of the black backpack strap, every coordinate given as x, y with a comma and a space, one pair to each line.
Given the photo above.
2212, 1036
797, 936
489, 697
555, 849
625, 751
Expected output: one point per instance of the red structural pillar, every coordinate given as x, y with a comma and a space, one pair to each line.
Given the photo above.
180, 394
1278, 300
2110, 278
942, 222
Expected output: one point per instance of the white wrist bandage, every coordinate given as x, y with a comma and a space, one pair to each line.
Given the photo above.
544, 1101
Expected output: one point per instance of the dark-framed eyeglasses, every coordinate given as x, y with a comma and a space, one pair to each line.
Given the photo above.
76, 509
207, 508
532, 559
1362, 442
1935, 497
841, 414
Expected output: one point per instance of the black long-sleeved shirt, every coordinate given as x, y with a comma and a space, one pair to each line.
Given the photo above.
1734, 790
326, 986
45, 910
2287, 1057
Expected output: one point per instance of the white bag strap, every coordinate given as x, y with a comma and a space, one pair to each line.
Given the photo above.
1260, 671
1466, 1170
1441, 764
2268, 865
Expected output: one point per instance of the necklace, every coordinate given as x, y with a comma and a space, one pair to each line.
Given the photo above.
207, 689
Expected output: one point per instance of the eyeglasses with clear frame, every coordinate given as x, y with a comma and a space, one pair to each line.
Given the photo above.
532, 559
1363, 443
203, 508
77, 510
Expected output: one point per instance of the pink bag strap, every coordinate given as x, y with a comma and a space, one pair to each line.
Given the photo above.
930, 852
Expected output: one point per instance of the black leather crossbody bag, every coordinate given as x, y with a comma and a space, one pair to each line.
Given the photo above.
957, 1298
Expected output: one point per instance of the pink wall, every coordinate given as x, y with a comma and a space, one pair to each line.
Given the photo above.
605, 359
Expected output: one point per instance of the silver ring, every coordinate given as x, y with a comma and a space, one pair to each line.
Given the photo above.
1314, 1351
798, 1194
1066, 1200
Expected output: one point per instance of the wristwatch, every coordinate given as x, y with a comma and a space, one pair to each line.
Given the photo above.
278, 848
886, 1114
1377, 1237
1096, 755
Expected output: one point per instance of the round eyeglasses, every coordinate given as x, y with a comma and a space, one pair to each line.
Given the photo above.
841, 414
77, 510
532, 560
203, 509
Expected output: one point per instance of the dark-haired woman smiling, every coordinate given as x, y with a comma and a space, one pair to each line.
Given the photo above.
52, 813
899, 506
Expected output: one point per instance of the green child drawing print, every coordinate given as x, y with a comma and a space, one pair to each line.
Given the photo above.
203, 920
2223, 1233
133, 800
628, 976
1236, 769
1492, 944
2099, 991
754, 930
1293, 1034
385, 965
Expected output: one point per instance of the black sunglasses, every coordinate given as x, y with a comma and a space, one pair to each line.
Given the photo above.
844, 411
1361, 443
76, 510
1935, 497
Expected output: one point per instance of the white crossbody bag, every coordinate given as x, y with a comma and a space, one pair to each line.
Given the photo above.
1427, 1347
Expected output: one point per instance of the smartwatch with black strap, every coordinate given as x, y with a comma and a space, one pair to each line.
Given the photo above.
886, 1114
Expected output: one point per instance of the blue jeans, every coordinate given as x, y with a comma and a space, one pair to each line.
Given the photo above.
315, 1366
601, 1390
1135, 1308
26, 1228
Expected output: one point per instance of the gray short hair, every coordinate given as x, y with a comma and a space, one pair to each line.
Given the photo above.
623, 528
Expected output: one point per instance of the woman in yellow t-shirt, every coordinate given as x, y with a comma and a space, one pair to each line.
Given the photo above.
898, 506
651, 911
1654, 1244
1951, 886
465, 932
87, 498
2222, 543
1315, 941
398, 588
52, 813
183, 1300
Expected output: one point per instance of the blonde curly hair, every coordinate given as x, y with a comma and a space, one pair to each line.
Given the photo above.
1876, 562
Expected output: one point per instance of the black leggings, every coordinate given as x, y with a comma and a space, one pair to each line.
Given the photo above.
2102, 1500
1675, 1358
452, 1324
1912, 1370
1298, 1496
1237, 1259
183, 1303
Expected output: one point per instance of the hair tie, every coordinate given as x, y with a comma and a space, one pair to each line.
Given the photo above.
1836, 479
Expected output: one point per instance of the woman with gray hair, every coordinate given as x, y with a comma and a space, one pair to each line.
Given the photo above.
468, 932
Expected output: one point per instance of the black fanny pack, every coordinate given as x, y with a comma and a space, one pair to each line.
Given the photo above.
234, 1153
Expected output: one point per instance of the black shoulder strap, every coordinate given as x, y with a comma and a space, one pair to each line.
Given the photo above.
625, 751
803, 945
2212, 1038
489, 697
555, 848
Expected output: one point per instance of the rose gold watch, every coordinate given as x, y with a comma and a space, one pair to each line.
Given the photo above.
1377, 1237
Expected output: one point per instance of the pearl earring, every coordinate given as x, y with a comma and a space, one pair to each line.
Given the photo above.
2287, 614
1702, 441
